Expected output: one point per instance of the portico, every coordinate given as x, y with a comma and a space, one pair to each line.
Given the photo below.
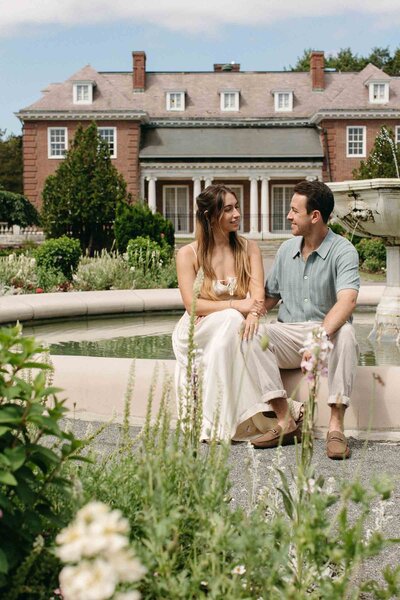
261, 165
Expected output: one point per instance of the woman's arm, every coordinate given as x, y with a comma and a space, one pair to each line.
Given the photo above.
256, 289
186, 270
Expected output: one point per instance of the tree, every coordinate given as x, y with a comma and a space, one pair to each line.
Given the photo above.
11, 162
80, 199
137, 220
345, 60
17, 210
384, 158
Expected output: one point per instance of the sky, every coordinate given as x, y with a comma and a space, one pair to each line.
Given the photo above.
46, 41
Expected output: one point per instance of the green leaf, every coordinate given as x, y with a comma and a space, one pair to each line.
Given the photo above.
10, 413
16, 456
24, 492
7, 478
3, 562
287, 503
4, 429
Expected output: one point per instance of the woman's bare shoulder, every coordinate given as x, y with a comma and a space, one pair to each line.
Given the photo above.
252, 247
188, 250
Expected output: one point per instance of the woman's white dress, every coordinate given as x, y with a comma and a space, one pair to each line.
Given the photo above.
232, 376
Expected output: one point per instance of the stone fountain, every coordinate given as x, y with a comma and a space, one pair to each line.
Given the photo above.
371, 208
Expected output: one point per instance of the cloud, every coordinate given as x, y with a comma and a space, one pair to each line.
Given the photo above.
183, 15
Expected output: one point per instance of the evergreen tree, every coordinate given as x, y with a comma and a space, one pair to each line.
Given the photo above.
384, 158
80, 199
345, 60
11, 162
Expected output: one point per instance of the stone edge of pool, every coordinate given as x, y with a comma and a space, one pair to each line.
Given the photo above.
33, 307
95, 387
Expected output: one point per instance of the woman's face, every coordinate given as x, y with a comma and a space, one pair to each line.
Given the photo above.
230, 217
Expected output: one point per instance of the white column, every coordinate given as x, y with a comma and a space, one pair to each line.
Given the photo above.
208, 181
265, 206
196, 192
253, 205
152, 193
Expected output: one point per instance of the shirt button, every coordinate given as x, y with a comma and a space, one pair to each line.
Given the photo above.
305, 299
305, 276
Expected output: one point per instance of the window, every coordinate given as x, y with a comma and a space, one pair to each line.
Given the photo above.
230, 100
175, 100
283, 101
397, 134
281, 198
379, 93
109, 134
176, 206
356, 141
57, 142
83, 93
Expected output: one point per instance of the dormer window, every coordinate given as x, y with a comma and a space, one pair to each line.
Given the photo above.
175, 100
378, 92
83, 92
283, 101
229, 100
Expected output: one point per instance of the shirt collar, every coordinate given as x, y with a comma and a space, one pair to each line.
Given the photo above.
322, 249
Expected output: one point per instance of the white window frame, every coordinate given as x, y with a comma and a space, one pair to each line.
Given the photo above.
169, 104
379, 100
348, 141
240, 188
164, 188
89, 99
235, 106
50, 154
287, 108
114, 142
397, 134
286, 223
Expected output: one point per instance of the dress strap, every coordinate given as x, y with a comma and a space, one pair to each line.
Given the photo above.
194, 250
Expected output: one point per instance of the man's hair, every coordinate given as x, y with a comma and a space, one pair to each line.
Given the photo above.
319, 197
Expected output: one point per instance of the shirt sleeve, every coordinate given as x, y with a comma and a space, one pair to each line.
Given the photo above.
272, 283
347, 270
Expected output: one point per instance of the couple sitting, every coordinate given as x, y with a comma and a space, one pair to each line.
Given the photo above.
315, 277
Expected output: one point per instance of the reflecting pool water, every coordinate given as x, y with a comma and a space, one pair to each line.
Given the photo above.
148, 335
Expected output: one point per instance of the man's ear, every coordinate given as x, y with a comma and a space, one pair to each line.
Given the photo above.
316, 216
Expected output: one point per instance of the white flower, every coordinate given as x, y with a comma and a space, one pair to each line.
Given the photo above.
127, 566
239, 570
71, 542
134, 595
94, 580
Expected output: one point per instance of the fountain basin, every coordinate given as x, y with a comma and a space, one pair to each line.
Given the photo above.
369, 207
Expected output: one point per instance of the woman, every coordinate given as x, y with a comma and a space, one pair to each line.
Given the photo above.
228, 268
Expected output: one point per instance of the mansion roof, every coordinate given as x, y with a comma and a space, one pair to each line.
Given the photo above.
113, 93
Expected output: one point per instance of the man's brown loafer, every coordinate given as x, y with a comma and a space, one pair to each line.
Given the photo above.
337, 447
275, 437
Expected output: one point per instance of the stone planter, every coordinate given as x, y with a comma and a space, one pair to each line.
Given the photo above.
371, 208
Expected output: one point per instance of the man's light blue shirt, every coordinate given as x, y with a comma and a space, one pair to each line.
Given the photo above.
308, 289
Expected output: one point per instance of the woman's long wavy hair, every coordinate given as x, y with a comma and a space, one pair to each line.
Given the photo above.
210, 208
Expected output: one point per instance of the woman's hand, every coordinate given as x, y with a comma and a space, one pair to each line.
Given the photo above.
250, 327
248, 306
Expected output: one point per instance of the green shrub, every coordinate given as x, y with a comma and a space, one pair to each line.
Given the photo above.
34, 496
372, 254
15, 209
337, 228
137, 220
105, 271
144, 254
59, 255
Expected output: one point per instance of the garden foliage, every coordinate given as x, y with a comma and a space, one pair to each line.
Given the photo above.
80, 199
17, 210
137, 220
33, 450
384, 158
372, 252
147, 255
59, 255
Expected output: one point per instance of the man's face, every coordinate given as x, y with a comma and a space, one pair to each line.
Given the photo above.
300, 221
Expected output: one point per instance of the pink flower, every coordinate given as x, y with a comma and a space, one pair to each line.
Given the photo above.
39, 290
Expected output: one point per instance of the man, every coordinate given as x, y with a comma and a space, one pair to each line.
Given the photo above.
315, 275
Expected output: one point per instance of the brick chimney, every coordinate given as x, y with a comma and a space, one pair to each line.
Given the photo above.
227, 67
317, 64
139, 71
